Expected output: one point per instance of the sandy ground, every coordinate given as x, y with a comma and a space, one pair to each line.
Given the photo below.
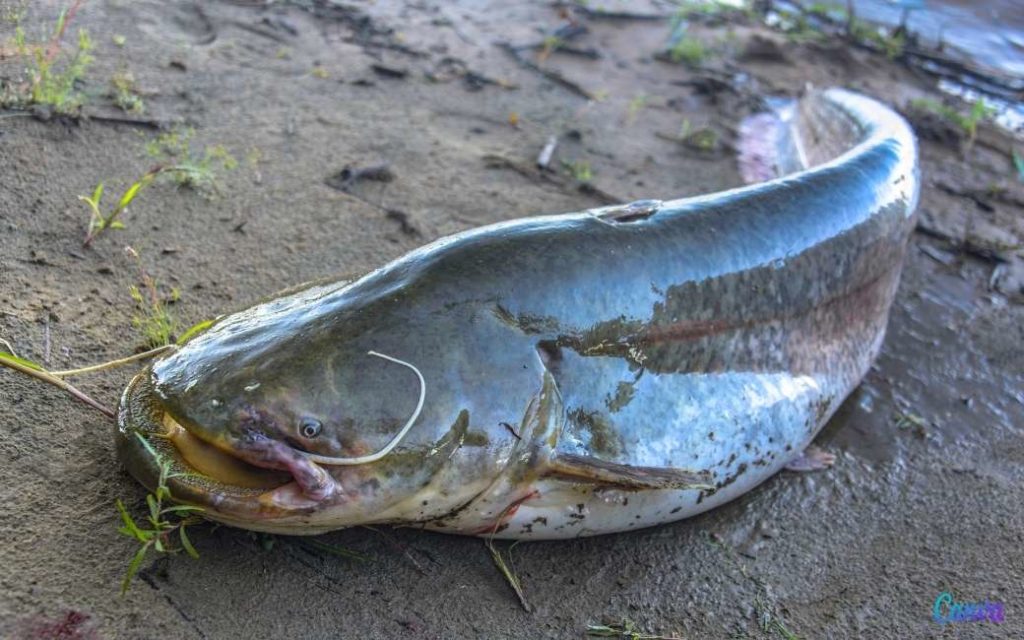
925, 497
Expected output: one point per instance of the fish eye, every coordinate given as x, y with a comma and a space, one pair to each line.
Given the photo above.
310, 427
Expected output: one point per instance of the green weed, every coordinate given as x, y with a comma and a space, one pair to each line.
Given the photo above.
626, 630
189, 168
99, 222
157, 531
890, 44
53, 84
967, 123
827, 10
635, 106
688, 50
701, 138
52, 74
1018, 164
125, 94
152, 318
580, 170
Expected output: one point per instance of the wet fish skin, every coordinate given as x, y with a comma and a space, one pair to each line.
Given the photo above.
585, 373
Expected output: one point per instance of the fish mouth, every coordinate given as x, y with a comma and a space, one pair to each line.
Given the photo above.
212, 475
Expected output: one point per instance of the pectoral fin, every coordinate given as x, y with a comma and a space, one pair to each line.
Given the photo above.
600, 472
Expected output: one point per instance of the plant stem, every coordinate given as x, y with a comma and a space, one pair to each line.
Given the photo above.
113, 363
60, 384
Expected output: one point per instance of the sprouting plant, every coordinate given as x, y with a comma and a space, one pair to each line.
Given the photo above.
157, 531
634, 108
892, 44
187, 167
50, 86
626, 630
967, 123
682, 46
152, 319
550, 44
827, 10
52, 75
688, 50
99, 221
1018, 164
701, 138
124, 93
580, 170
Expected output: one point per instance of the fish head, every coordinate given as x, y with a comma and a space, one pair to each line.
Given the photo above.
276, 426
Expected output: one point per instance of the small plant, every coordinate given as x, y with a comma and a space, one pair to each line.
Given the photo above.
580, 170
701, 139
52, 78
99, 221
635, 106
550, 44
683, 47
1018, 164
152, 318
827, 11
626, 630
189, 168
967, 123
125, 94
891, 44
158, 531
688, 50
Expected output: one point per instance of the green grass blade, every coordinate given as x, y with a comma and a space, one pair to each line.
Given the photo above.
133, 568
129, 195
180, 508
22, 361
194, 330
186, 544
131, 529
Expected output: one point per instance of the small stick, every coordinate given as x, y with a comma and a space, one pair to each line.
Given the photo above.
39, 374
544, 159
113, 363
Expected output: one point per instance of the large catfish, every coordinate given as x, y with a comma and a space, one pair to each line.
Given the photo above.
553, 376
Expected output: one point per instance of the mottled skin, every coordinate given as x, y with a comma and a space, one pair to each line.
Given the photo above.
585, 373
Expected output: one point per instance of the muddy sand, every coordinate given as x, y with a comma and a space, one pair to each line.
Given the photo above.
927, 492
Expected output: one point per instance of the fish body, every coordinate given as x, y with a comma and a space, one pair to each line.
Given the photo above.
578, 374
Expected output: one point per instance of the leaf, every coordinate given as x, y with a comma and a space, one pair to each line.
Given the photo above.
97, 193
1018, 162
195, 329
129, 195
116, 224
154, 508
158, 543
186, 544
147, 445
22, 361
130, 528
181, 508
133, 567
